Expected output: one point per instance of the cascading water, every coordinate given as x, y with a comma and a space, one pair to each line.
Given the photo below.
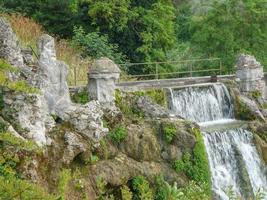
201, 104
233, 158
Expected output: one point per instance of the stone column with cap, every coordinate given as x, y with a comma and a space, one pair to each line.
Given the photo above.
102, 78
250, 75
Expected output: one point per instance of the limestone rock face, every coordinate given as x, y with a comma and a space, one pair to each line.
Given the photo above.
9, 45
252, 106
250, 74
123, 168
29, 112
54, 75
141, 144
75, 146
152, 109
86, 119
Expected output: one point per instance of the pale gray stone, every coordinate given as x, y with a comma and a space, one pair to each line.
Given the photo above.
153, 110
54, 75
250, 75
252, 106
74, 146
9, 45
102, 79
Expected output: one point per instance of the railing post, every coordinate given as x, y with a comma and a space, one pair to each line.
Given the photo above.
157, 75
220, 67
191, 73
75, 76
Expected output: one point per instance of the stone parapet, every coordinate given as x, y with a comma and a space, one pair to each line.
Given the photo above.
250, 74
102, 79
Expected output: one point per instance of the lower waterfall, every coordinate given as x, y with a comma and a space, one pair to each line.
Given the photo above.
233, 158
234, 163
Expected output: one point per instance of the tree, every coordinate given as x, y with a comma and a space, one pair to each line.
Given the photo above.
229, 28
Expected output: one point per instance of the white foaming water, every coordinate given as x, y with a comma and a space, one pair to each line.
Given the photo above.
233, 158
234, 162
201, 104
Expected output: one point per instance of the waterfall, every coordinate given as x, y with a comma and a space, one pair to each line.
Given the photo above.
234, 162
233, 158
200, 104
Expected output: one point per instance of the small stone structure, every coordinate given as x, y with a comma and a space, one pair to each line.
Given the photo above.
102, 78
250, 75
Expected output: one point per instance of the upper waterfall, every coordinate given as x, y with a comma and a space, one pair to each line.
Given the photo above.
202, 103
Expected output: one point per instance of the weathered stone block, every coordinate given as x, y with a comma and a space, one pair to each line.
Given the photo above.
102, 78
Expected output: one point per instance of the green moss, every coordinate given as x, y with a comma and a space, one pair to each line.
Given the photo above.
200, 171
81, 97
169, 131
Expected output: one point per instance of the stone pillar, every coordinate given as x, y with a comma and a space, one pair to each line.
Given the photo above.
250, 75
102, 78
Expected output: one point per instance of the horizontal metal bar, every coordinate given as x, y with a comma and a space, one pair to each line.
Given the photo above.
183, 72
168, 62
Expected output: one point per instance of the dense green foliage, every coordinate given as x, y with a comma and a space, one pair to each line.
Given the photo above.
155, 30
95, 45
118, 134
80, 97
196, 166
141, 188
169, 131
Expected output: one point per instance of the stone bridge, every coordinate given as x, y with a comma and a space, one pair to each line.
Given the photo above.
104, 79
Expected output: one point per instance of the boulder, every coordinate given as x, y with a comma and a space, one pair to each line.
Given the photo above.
141, 144
86, 119
251, 106
152, 109
121, 169
74, 146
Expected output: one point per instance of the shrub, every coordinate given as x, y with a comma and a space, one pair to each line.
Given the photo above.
169, 131
255, 94
64, 179
141, 188
184, 164
118, 134
126, 193
15, 188
194, 191
80, 97
196, 167
94, 159
165, 191
95, 45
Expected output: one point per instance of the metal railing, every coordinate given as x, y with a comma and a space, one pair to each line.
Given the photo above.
171, 69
